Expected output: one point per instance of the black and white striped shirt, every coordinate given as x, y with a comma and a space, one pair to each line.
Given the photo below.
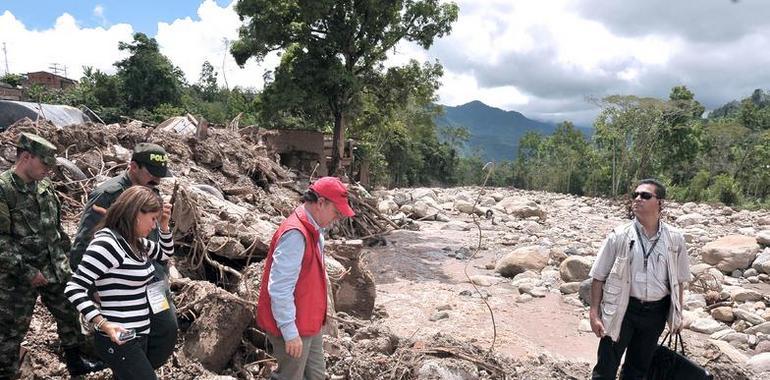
121, 280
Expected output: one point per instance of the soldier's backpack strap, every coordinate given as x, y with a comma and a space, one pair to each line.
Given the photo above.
8, 191
9, 194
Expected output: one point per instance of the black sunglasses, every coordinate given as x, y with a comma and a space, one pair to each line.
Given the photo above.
644, 194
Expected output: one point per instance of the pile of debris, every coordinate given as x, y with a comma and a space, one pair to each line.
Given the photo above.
229, 195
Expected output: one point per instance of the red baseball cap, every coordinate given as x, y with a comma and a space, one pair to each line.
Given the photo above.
332, 189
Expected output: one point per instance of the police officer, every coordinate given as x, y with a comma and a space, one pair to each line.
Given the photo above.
33, 257
149, 163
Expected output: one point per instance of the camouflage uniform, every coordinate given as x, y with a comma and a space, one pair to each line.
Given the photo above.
164, 325
32, 241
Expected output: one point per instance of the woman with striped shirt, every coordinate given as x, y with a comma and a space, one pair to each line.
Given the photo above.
117, 264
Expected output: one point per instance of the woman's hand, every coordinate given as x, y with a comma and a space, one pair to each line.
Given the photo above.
165, 217
113, 331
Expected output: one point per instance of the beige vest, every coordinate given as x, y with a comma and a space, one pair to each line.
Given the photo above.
617, 286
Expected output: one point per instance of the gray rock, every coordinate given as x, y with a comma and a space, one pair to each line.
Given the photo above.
522, 259
575, 268
482, 280
694, 301
741, 326
439, 316
763, 328
689, 219
463, 206
750, 272
761, 259
520, 207
730, 252
387, 206
523, 298
539, 292
760, 363
402, 198
447, 368
569, 287
763, 346
584, 293
706, 326
735, 355
749, 317
744, 295
763, 238
723, 314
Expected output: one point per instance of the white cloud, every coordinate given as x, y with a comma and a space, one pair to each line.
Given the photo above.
99, 14
188, 43
65, 43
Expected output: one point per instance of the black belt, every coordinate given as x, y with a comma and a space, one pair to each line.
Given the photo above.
650, 304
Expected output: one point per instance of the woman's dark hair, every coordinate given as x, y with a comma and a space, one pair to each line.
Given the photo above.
122, 215
310, 196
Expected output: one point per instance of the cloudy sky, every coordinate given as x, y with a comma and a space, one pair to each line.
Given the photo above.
541, 58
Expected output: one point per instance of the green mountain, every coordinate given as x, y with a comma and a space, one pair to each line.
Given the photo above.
494, 133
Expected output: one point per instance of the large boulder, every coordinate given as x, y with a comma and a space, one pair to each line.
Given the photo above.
760, 363
762, 262
422, 193
522, 259
388, 206
689, 219
521, 207
463, 206
216, 333
575, 268
763, 238
731, 252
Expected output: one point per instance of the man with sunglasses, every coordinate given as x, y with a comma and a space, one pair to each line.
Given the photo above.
33, 259
292, 302
149, 163
638, 284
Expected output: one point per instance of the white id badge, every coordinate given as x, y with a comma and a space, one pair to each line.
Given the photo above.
640, 277
156, 294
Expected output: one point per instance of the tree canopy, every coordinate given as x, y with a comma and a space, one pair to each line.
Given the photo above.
335, 50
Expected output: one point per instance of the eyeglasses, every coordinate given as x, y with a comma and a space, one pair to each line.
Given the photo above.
644, 194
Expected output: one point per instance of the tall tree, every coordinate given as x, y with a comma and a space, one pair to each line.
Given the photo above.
340, 45
148, 77
208, 82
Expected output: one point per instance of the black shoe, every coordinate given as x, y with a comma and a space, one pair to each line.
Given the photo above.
78, 365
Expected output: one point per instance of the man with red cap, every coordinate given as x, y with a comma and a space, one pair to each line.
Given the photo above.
292, 295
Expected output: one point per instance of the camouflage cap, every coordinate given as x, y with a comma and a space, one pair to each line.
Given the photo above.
153, 157
39, 147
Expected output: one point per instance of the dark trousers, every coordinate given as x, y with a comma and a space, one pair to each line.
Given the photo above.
127, 361
642, 325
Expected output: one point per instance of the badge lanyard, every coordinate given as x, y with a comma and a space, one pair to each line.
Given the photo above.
644, 251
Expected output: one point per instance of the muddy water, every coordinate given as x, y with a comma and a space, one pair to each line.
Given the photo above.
416, 277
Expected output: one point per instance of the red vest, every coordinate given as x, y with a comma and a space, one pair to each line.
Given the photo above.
310, 291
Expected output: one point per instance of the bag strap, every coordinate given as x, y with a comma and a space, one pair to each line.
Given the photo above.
681, 343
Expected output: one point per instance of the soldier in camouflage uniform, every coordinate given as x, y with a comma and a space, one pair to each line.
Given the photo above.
33, 257
149, 163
